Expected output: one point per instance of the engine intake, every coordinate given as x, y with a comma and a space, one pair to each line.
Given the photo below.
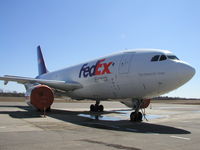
41, 97
132, 103
145, 103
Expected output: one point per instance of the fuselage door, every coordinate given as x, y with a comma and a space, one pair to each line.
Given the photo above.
125, 62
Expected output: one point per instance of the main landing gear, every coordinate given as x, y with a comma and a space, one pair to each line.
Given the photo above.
96, 107
137, 116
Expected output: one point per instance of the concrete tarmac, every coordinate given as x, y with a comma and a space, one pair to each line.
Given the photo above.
72, 126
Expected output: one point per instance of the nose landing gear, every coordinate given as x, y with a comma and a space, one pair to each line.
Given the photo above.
137, 116
96, 107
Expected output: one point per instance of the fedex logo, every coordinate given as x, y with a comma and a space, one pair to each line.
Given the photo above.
100, 68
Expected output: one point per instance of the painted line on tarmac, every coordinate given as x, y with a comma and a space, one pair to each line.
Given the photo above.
179, 137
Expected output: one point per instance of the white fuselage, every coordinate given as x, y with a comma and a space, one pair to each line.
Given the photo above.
128, 74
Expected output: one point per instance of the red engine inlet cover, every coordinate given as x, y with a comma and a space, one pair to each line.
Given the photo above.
145, 103
42, 97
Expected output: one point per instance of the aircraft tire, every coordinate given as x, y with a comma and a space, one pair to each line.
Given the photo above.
136, 117
139, 116
96, 108
92, 108
133, 116
101, 108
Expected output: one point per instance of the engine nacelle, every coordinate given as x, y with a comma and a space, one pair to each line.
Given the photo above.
145, 103
132, 103
40, 97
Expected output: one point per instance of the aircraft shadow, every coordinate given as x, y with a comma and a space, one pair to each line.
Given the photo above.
94, 122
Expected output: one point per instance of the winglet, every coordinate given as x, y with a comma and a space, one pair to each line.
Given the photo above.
41, 64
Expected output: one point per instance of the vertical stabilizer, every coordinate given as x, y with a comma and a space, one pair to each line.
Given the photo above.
41, 64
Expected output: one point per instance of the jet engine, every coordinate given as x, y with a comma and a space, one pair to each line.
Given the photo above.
133, 103
145, 103
41, 97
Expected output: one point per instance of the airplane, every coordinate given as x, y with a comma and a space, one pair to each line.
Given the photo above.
132, 77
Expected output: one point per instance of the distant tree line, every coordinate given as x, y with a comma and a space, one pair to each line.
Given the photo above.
173, 98
11, 94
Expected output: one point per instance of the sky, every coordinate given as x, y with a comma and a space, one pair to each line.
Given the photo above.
74, 31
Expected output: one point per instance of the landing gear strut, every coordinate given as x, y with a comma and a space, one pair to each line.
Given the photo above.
136, 115
96, 107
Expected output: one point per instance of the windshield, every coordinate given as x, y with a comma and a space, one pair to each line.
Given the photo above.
172, 57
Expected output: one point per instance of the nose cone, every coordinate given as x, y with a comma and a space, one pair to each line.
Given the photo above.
186, 72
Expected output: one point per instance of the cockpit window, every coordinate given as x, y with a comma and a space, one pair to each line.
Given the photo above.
172, 57
155, 58
163, 57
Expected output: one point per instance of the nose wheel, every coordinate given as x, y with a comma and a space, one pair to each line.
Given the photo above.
137, 116
96, 107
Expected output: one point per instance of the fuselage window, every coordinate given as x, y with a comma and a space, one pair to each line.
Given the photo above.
163, 57
155, 58
172, 57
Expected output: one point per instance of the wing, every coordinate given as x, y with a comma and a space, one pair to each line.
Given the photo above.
56, 84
